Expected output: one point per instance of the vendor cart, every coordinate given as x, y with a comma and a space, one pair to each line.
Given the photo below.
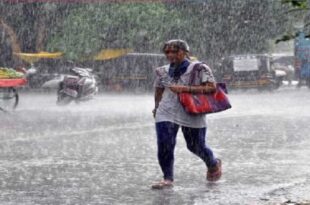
9, 94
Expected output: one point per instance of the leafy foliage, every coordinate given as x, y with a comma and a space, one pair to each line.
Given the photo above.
302, 4
90, 28
300, 7
212, 28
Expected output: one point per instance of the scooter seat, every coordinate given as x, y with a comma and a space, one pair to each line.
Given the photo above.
71, 80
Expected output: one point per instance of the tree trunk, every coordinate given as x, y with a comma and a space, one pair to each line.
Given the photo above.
14, 45
13, 38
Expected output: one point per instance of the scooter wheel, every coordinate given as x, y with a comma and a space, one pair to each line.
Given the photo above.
8, 99
63, 99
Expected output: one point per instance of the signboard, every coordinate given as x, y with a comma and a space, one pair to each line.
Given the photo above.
245, 64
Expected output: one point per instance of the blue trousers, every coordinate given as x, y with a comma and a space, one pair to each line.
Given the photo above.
166, 141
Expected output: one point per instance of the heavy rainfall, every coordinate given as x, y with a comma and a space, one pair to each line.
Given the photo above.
77, 84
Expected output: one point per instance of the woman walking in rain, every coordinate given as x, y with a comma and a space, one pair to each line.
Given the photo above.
170, 115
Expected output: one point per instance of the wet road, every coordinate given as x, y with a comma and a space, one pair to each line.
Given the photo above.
104, 152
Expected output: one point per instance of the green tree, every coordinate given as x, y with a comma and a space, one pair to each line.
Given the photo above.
212, 28
92, 27
228, 27
299, 13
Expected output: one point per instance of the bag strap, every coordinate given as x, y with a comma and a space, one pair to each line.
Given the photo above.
194, 72
196, 68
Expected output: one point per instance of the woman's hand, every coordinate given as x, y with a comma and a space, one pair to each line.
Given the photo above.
154, 112
179, 88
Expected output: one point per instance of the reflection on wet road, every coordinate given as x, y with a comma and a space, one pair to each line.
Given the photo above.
104, 152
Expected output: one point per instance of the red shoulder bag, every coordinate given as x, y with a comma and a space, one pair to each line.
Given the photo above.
205, 103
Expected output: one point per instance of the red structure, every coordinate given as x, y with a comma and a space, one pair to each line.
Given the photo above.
6, 83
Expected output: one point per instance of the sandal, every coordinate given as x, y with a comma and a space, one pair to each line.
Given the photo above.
215, 172
162, 184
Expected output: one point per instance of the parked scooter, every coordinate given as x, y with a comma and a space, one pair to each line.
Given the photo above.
80, 86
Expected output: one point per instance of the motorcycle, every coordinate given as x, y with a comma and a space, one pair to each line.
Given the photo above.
78, 87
